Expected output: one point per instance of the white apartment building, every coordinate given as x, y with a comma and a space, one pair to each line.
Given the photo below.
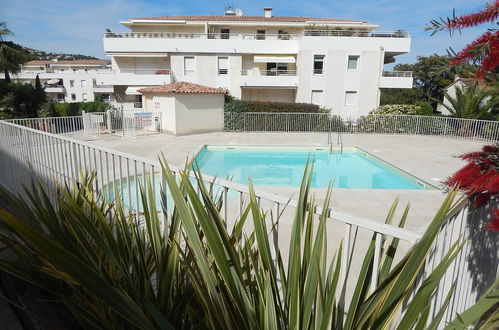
335, 63
68, 81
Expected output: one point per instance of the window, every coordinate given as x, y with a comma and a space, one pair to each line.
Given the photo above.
283, 35
316, 97
350, 98
353, 62
105, 97
223, 65
73, 97
189, 66
71, 83
318, 64
260, 34
83, 83
84, 97
224, 33
60, 97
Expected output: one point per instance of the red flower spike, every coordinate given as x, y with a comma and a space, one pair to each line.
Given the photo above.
481, 199
494, 224
493, 185
479, 178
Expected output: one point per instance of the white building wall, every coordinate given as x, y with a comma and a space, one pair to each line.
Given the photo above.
198, 113
242, 46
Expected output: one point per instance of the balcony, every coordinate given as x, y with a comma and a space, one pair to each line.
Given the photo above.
396, 79
280, 36
103, 88
54, 88
162, 43
136, 77
269, 78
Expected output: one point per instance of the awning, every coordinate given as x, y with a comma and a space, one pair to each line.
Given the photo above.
133, 90
53, 81
274, 59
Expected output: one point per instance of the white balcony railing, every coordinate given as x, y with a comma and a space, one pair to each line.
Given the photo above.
282, 36
147, 71
406, 74
356, 33
252, 72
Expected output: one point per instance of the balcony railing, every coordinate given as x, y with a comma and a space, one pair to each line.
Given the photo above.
147, 71
252, 72
356, 33
307, 33
406, 74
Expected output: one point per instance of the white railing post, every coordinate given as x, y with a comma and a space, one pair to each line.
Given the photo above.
109, 122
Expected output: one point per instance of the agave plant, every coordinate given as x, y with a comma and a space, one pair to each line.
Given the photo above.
113, 269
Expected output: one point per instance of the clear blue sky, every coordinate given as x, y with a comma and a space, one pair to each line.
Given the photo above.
72, 26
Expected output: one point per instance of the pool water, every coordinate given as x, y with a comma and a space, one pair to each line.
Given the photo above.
283, 167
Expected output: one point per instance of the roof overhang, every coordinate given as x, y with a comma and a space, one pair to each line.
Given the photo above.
134, 90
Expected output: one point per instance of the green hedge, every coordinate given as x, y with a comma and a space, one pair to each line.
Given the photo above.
418, 108
71, 109
76, 108
235, 105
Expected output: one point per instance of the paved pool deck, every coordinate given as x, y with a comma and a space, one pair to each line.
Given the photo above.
431, 159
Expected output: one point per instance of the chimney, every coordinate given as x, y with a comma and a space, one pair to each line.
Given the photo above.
267, 12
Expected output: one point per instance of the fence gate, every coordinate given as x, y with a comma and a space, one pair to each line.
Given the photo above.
122, 123
141, 123
94, 123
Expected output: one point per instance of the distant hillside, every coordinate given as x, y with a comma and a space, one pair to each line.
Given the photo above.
43, 55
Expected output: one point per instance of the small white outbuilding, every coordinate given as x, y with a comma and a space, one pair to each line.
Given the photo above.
186, 107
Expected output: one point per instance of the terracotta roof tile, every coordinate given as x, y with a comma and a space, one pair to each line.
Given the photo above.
74, 62
182, 87
228, 18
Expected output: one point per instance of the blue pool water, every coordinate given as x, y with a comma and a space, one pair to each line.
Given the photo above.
284, 167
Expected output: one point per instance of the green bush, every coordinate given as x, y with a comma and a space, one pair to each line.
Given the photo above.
76, 108
235, 105
425, 108
419, 108
111, 271
20, 99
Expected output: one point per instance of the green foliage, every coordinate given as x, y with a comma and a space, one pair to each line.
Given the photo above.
111, 270
235, 105
76, 108
473, 102
20, 99
431, 75
400, 96
11, 54
425, 108
421, 108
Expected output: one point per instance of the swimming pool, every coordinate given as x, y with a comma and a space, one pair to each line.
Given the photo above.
283, 167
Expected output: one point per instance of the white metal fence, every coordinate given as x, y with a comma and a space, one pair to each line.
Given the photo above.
121, 122
469, 129
68, 126
475, 268
26, 153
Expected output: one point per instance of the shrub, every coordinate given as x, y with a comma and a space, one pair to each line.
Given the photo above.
110, 273
419, 108
76, 108
20, 99
425, 108
235, 105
